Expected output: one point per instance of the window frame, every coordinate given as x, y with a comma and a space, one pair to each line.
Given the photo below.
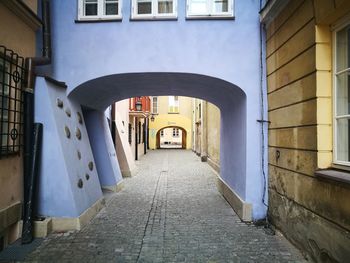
335, 73
5, 98
154, 15
155, 103
211, 14
176, 133
101, 7
174, 108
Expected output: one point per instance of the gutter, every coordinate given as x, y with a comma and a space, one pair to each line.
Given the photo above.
33, 132
271, 10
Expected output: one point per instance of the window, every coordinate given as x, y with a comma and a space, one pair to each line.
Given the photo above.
209, 8
11, 101
99, 9
199, 110
150, 9
155, 105
175, 132
4, 103
173, 104
342, 96
162, 133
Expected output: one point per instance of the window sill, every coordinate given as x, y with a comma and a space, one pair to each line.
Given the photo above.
210, 17
173, 112
334, 175
98, 20
153, 18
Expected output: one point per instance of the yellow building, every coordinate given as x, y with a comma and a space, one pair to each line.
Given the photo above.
18, 26
307, 50
206, 132
170, 112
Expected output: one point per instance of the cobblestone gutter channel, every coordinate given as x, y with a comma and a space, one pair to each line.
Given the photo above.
170, 212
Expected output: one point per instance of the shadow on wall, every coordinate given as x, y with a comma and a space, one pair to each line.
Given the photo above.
97, 94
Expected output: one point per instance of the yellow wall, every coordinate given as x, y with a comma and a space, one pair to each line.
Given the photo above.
164, 119
213, 131
16, 34
299, 68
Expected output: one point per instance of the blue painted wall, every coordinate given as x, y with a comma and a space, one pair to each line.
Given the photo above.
61, 168
225, 49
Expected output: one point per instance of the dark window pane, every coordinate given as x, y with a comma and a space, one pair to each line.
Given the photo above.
144, 8
112, 9
91, 9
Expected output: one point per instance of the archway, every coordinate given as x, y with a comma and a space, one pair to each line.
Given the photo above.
183, 137
97, 94
101, 92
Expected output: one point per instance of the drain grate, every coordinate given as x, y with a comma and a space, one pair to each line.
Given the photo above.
17, 251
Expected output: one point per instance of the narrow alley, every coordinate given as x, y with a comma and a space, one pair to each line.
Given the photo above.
170, 211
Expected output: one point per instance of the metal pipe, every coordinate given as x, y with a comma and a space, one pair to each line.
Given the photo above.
27, 234
29, 163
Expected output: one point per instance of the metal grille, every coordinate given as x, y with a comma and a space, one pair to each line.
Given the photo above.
11, 101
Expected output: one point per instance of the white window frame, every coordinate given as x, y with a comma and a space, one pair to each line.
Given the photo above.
154, 14
336, 29
211, 12
155, 105
100, 11
174, 104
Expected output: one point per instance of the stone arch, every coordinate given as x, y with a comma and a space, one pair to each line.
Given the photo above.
97, 94
184, 136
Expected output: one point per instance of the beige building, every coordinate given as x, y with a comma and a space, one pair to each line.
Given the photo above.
18, 26
171, 138
173, 112
307, 50
206, 132
131, 131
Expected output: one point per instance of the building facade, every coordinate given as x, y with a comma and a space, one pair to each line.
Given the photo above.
130, 135
206, 132
144, 49
18, 42
307, 47
173, 112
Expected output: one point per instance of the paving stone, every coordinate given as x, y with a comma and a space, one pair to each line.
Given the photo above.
170, 211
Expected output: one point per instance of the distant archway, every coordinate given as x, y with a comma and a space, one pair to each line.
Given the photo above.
184, 136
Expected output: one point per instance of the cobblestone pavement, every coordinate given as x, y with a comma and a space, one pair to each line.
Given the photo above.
170, 211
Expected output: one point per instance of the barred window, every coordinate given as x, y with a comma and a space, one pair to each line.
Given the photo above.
11, 101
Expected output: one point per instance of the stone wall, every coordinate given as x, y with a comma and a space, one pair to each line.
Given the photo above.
309, 210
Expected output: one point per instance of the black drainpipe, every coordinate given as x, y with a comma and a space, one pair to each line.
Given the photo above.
33, 132
136, 139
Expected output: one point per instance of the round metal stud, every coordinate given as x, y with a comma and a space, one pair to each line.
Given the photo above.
91, 166
80, 117
68, 112
67, 131
79, 154
80, 183
87, 176
59, 103
78, 133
